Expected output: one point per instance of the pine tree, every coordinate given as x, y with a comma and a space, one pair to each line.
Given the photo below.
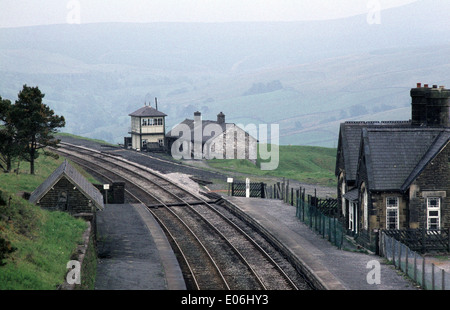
35, 123
8, 147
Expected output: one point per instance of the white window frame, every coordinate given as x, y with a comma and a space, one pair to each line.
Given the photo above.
344, 203
365, 209
352, 216
392, 208
434, 208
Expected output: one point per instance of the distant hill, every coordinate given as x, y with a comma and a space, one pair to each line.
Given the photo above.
306, 76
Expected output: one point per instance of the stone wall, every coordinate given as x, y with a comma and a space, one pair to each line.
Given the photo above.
67, 197
434, 181
82, 254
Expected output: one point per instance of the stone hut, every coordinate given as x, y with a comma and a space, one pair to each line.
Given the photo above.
68, 191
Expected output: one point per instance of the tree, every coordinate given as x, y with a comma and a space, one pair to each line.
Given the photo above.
35, 123
8, 146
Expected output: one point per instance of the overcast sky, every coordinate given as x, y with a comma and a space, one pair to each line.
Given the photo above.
17, 13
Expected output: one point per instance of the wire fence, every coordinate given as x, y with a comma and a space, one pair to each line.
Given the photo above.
419, 268
328, 227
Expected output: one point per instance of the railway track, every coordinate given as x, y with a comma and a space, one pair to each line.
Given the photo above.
216, 250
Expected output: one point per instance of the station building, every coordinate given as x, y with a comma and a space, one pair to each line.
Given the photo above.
396, 175
208, 139
147, 129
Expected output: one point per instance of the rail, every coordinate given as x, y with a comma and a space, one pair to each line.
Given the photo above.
182, 201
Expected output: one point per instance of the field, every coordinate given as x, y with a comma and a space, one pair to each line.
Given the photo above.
306, 164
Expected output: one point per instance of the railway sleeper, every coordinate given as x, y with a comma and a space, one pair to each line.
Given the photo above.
180, 204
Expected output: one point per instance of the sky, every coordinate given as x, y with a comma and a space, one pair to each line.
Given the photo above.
19, 13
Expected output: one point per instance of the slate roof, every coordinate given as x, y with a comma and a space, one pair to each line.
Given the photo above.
147, 111
191, 124
349, 143
72, 174
440, 143
352, 195
394, 157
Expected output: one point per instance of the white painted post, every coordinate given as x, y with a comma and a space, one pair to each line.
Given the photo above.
230, 184
106, 187
247, 187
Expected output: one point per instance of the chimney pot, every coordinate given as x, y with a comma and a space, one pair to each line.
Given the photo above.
419, 85
197, 117
425, 85
434, 86
221, 118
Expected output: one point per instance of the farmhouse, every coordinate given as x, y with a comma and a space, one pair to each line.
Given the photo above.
147, 129
396, 175
68, 191
198, 139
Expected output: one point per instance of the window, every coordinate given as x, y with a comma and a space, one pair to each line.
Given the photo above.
161, 142
392, 219
352, 216
365, 208
150, 121
433, 213
160, 121
342, 194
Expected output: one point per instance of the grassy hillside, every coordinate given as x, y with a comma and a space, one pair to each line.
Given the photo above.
41, 242
307, 164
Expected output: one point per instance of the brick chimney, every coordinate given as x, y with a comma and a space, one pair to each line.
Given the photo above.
221, 118
197, 116
430, 106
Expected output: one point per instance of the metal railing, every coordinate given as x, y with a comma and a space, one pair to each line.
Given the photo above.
328, 227
422, 269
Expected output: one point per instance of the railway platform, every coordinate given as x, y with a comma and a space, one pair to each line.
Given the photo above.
332, 268
134, 253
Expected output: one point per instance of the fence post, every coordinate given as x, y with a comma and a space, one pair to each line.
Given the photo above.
323, 226
443, 279
334, 224
406, 261
432, 276
303, 204
393, 250
415, 266
329, 229
423, 273
423, 241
